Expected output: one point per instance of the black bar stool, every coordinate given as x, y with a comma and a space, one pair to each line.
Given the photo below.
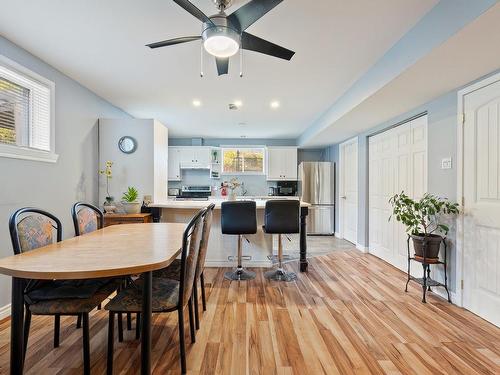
281, 217
239, 218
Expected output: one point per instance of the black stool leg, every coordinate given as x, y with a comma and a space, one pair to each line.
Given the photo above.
111, 341
86, 344
196, 307
182, 342
27, 324
57, 328
203, 298
120, 327
191, 320
79, 321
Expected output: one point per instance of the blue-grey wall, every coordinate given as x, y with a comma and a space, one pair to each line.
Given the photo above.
254, 184
442, 142
54, 187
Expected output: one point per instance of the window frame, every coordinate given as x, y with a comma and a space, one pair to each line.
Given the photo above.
244, 147
25, 152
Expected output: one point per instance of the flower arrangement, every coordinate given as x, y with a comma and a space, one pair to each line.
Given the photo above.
232, 185
108, 172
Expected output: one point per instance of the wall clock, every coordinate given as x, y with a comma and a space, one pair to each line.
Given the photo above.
127, 144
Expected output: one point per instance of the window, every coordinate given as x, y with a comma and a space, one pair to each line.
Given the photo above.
26, 114
243, 160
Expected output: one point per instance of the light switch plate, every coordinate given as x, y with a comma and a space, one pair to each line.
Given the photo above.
446, 163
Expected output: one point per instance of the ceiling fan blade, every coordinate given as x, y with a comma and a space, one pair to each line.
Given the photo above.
246, 15
222, 65
189, 7
171, 42
254, 43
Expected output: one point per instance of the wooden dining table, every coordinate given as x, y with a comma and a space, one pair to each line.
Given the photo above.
117, 250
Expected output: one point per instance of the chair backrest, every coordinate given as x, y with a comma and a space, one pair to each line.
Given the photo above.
86, 218
282, 216
239, 217
31, 228
189, 256
205, 235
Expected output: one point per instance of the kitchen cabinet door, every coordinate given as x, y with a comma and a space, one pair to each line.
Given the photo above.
174, 161
201, 156
281, 163
290, 164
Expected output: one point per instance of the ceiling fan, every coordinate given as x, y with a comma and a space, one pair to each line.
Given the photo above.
224, 35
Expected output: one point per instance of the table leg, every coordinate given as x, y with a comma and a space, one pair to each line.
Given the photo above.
304, 211
16, 327
146, 324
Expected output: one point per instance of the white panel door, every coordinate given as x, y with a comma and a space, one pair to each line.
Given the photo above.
349, 190
397, 162
481, 229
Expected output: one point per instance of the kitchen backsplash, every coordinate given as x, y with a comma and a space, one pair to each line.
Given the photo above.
256, 185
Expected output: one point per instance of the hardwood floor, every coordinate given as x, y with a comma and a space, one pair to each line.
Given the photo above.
348, 315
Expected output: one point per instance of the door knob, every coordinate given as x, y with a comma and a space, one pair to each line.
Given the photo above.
343, 197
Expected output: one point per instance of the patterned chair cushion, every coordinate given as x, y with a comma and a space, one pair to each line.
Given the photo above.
74, 306
87, 220
34, 231
165, 297
173, 271
65, 289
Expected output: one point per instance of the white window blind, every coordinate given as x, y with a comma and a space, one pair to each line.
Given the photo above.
25, 110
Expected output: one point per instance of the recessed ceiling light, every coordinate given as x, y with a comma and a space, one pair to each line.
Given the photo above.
238, 103
196, 103
275, 104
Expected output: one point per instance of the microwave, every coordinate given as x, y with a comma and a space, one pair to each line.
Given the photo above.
286, 188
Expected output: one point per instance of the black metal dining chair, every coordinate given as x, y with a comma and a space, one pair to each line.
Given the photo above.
173, 271
168, 295
32, 228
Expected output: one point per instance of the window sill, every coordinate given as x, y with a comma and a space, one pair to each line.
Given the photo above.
16, 152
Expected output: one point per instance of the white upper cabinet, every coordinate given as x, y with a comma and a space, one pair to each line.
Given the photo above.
187, 157
174, 163
282, 163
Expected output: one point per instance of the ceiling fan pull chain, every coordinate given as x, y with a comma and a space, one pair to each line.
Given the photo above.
241, 62
201, 59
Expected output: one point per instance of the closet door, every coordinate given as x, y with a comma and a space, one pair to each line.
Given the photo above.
397, 162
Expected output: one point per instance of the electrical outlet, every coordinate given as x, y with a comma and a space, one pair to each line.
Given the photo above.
446, 163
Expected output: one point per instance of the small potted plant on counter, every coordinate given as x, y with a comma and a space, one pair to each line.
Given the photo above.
129, 200
423, 220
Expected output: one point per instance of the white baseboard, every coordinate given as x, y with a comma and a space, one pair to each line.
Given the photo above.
4, 311
441, 292
337, 234
362, 248
247, 264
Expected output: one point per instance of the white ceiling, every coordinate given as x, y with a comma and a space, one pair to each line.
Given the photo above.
471, 53
101, 45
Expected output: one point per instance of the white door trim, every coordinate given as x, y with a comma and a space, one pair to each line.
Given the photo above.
459, 267
341, 185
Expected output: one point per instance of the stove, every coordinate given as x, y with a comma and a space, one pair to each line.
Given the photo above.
195, 192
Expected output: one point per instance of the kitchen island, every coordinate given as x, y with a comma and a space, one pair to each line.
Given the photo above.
221, 247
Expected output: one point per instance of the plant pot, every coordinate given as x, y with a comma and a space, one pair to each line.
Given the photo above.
131, 207
433, 242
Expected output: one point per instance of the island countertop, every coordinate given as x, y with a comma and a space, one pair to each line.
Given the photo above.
199, 204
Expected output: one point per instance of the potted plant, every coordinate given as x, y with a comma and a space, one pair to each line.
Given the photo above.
108, 172
129, 200
423, 220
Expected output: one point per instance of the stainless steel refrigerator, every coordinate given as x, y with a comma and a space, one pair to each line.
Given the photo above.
317, 185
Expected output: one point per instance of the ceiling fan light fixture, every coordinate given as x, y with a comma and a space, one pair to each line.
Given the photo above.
221, 46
